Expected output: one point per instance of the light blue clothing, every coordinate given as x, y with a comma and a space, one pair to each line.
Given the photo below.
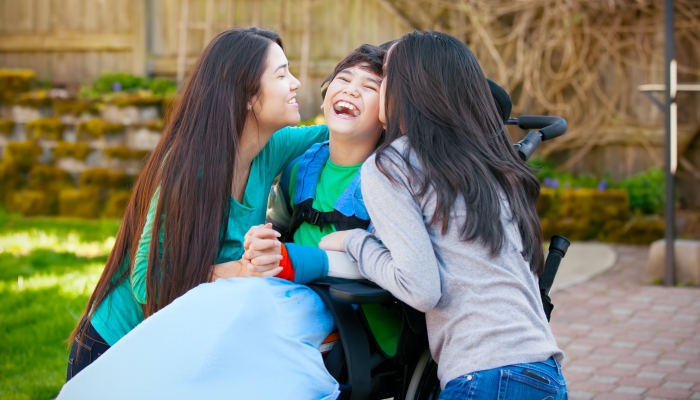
120, 312
240, 338
308, 173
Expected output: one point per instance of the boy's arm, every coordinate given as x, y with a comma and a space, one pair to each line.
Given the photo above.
303, 264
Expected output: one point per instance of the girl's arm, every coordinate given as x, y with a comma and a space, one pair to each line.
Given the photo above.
403, 261
138, 274
289, 143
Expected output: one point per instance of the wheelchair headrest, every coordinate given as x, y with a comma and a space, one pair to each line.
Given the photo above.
501, 97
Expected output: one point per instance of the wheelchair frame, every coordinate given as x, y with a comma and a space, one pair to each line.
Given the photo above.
411, 374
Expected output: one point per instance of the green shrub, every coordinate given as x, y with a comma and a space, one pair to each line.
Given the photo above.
73, 107
79, 151
34, 98
646, 191
110, 83
125, 153
6, 126
99, 178
31, 203
46, 128
49, 178
14, 81
23, 154
116, 203
79, 203
97, 128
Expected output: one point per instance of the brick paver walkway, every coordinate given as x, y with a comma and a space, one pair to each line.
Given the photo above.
625, 340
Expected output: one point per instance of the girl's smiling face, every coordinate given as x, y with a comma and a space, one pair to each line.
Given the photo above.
276, 106
351, 105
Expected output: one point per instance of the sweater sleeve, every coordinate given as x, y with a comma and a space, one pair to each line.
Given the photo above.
138, 274
306, 263
289, 143
403, 261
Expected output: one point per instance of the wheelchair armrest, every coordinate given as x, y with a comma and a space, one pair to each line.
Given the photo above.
360, 293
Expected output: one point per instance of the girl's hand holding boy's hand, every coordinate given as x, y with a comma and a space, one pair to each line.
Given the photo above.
333, 241
261, 257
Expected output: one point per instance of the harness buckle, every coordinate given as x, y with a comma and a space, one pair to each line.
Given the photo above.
313, 217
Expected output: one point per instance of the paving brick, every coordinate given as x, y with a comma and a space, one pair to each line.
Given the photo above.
617, 396
651, 375
695, 395
578, 394
673, 362
640, 382
647, 353
677, 385
630, 389
580, 369
624, 340
667, 393
605, 379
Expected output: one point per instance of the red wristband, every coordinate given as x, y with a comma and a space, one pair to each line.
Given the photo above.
288, 271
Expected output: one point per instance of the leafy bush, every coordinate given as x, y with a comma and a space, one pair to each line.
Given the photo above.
46, 128
6, 126
49, 178
125, 153
116, 203
14, 81
646, 191
110, 83
97, 128
73, 106
23, 154
79, 203
31, 203
79, 151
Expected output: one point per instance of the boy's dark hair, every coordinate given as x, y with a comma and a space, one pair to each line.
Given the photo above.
368, 57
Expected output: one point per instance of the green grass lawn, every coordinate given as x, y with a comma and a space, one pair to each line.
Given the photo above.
48, 268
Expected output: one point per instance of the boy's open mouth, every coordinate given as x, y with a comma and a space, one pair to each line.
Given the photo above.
343, 108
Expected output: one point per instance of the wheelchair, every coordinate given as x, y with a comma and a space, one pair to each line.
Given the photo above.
358, 363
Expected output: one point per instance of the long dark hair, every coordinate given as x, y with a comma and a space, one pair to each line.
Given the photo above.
438, 97
192, 170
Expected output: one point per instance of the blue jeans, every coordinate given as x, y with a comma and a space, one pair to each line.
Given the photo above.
540, 380
92, 346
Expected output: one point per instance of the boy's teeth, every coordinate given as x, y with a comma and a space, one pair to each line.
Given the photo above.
357, 113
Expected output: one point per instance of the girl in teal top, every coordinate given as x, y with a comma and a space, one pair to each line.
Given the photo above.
208, 178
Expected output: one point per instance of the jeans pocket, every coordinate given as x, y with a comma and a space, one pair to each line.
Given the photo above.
459, 388
515, 385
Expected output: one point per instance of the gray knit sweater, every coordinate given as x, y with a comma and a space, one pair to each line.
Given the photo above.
482, 312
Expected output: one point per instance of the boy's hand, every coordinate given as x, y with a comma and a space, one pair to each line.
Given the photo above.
333, 241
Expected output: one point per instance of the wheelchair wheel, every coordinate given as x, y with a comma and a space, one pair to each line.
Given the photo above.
424, 383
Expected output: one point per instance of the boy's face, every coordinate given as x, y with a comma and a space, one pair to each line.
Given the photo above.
351, 105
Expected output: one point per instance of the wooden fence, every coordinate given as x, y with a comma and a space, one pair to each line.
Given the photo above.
69, 42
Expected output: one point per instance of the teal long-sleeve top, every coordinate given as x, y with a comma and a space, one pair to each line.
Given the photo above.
120, 311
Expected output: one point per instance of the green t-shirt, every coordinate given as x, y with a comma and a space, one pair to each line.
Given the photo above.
332, 183
120, 312
384, 321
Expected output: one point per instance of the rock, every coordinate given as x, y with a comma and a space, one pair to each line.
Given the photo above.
687, 262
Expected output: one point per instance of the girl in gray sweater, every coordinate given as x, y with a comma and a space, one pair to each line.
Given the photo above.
455, 209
